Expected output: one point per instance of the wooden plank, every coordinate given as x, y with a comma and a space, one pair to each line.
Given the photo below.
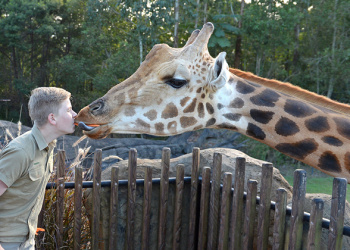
164, 193
279, 226
225, 212
113, 211
204, 209
214, 202
335, 236
60, 196
264, 206
146, 213
250, 214
130, 220
296, 221
193, 202
96, 199
237, 205
315, 229
179, 192
78, 192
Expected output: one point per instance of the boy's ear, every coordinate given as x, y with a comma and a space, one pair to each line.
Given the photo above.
51, 119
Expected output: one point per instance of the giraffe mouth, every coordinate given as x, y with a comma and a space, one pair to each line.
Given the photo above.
85, 127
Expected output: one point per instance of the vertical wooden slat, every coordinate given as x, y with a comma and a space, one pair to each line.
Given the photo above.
296, 221
193, 201
96, 202
146, 216
279, 226
113, 208
204, 209
60, 197
214, 202
225, 212
315, 229
180, 173
78, 191
250, 214
163, 204
130, 221
264, 206
336, 224
237, 205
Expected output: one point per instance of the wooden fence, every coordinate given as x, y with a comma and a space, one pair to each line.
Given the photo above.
220, 217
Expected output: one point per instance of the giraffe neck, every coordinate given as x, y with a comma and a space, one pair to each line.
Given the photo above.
308, 132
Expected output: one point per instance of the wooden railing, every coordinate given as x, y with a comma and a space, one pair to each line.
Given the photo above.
219, 216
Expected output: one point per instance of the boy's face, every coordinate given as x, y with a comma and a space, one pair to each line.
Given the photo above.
65, 118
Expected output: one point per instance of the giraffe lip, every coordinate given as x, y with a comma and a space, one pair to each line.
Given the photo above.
85, 127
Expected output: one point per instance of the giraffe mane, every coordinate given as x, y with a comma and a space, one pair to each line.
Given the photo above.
290, 89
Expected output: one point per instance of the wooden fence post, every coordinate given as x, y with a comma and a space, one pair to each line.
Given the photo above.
146, 214
60, 197
336, 225
78, 191
315, 229
214, 202
193, 201
164, 193
279, 226
237, 205
96, 196
113, 208
130, 221
179, 191
250, 214
296, 220
225, 211
204, 209
264, 206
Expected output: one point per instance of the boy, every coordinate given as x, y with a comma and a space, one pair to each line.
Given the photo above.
26, 164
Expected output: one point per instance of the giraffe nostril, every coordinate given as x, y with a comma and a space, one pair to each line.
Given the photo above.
96, 105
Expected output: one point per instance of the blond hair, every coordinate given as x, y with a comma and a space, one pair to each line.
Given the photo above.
44, 101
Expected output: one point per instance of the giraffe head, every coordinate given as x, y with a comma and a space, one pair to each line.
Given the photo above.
170, 93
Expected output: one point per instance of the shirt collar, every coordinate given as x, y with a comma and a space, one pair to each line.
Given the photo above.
40, 140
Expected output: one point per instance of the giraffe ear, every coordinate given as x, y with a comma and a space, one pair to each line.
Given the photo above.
220, 72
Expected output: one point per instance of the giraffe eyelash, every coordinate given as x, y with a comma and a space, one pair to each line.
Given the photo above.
176, 83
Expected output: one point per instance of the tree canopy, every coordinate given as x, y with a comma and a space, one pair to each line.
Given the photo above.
88, 46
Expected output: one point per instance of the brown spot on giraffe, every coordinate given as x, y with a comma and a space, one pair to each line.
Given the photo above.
261, 116
332, 141
143, 125
159, 127
130, 111
329, 162
286, 127
200, 110
170, 111
298, 150
237, 103
184, 100
151, 115
210, 108
347, 161
190, 108
318, 124
172, 126
187, 121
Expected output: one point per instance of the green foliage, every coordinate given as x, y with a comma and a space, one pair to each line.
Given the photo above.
89, 46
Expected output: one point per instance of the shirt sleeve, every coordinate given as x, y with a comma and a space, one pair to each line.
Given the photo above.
13, 164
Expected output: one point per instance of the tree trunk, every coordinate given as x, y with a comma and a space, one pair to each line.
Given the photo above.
197, 17
238, 48
332, 80
176, 35
141, 48
205, 11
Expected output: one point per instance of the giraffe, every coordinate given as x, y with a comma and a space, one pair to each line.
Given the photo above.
183, 89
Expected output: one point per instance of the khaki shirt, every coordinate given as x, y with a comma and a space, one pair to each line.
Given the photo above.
25, 167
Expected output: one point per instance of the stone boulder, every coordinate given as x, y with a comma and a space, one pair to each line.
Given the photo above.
253, 171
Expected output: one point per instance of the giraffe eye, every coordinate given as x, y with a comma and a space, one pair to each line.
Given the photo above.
176, 83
